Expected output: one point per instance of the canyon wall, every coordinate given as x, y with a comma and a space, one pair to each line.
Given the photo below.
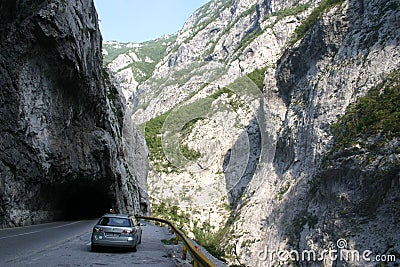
67, 148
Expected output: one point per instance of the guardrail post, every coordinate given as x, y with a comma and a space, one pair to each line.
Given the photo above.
184, 253
176, 239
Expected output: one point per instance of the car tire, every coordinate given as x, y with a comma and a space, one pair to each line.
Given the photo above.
94, 248
134, 248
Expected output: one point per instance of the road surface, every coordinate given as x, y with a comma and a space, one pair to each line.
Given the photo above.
68, 244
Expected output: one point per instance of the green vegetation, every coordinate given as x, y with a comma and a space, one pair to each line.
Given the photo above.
223, 90
181, 76
172, 120
257, 76
249, 38
204, 233
234, 100
152, 135
315, 15
154, 50
177, 124
211, 241
113, 53
292, 11
188, 127
189, 153
172, 213
376, 113
283, 191
251, 10
168, 241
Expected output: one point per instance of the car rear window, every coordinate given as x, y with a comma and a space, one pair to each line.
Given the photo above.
114, 221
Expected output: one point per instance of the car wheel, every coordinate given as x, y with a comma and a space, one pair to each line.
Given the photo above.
134, 248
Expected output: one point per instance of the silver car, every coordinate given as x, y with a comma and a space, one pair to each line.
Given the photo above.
116, 230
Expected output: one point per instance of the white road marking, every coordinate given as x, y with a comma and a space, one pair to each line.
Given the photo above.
26, 226
38, 231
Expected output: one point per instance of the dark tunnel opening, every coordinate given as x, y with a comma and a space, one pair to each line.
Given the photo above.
79, 199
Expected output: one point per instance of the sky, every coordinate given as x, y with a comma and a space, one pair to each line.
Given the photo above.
143, 20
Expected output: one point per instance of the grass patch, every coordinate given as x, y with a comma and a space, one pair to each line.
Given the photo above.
168, 241
223, 90
257, 76
152, 134
189, 153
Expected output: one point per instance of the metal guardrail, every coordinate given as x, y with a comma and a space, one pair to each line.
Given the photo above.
199, 259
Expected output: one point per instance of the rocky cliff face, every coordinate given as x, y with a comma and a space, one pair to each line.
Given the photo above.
206, 162
131, 63
276, 122
67, 150
326, 180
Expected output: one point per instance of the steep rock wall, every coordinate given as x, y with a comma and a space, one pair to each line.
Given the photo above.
220, 43
281, 181
306, 194
63, 140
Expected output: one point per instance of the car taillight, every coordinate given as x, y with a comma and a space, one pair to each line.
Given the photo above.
129, 231
98, 229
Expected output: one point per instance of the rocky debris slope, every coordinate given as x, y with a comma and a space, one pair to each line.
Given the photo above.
67, 150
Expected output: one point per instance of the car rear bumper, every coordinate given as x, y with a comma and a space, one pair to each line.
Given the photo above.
113, 242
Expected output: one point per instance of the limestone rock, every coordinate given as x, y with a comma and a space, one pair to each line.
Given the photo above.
63, 142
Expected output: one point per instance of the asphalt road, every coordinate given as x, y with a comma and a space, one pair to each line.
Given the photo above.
68, 244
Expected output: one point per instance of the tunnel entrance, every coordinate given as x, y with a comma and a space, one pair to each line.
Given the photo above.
80, 199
